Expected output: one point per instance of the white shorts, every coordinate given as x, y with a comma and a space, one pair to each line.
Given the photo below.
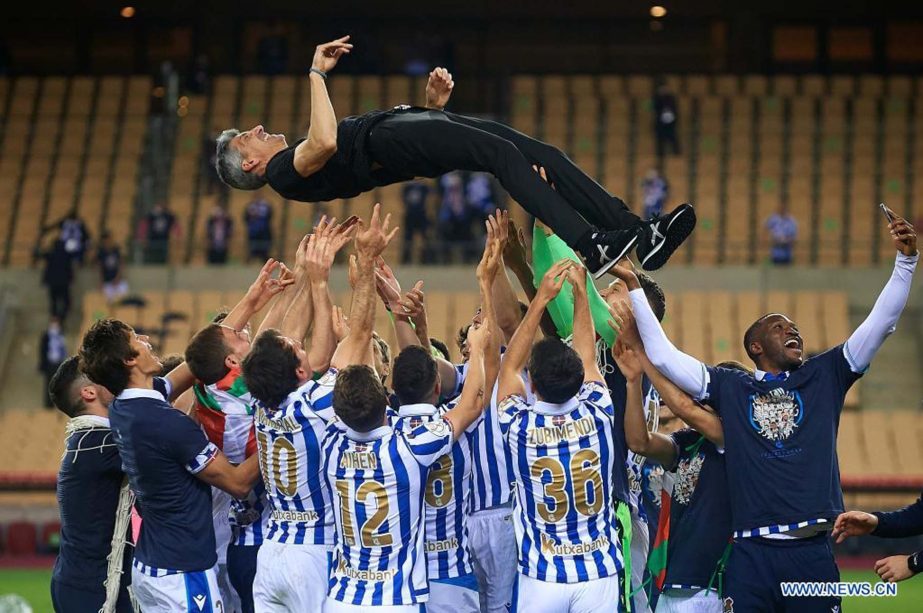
494, 554
291, 577
335, 606
640, 547
192, 592
597, 596
689, 601
456, 595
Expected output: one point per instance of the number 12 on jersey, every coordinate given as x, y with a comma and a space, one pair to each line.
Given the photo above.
370, 529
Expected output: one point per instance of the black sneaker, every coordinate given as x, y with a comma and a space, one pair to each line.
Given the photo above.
606, 248
662, 235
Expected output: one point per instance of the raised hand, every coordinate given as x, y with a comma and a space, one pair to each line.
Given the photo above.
625, 271
372, 239
439, 88
489, 265
263, 289
577, 277
327, 55
514, 251
623, 322
413, 302
853, 523
903, 234
553, 280
478, 335
628, 361
340, 323
387, 285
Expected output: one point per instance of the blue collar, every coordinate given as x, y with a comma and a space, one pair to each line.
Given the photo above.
760, 375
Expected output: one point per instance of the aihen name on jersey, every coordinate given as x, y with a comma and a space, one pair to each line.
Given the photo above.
284, 423
359, 458
562, 429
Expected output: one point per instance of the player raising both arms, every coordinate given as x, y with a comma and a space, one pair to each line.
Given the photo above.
293, 411
780, 430
570, 555
378, 473
383, 147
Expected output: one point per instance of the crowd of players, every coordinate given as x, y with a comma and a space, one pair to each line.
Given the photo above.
305, 470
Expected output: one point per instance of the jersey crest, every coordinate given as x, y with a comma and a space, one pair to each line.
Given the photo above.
776, 414
655, 483
687, 477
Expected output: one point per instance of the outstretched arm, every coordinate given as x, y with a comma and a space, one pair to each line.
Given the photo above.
705, 422
654, 445
371, 240
474, 396
517, 353
688, 373
514, 256
504, 298
584, 333
871, 333
321, 143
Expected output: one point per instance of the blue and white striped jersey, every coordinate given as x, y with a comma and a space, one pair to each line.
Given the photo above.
562, 457
289, 440
249, 518
446, 496
378, 480
492, 480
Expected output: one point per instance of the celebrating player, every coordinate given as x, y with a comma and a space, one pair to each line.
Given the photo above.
699, 512
292, 414
170, 465
378, 473
379, 148
570, 556
780, 428
452, 583
94, 500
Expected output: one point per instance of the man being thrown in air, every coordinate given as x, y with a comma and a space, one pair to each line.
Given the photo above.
358, 154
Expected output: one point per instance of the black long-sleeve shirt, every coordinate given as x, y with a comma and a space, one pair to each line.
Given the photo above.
903, 522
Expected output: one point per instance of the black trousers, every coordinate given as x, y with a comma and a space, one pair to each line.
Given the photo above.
426, 143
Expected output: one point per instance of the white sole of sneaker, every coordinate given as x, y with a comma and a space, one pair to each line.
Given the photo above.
605, 268
656, 249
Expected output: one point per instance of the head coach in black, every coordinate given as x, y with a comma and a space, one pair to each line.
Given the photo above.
358, 154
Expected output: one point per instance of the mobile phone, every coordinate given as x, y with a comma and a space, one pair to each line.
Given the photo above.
887, 213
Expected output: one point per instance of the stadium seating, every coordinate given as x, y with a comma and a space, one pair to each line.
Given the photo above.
69, 143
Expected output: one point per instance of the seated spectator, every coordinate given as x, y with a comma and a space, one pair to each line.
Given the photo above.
109, 259
783, 231
218, 235
258, 219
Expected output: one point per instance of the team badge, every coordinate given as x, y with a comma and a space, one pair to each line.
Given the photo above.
558, 420
439, 427
328, 379
776, 414
687, 477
